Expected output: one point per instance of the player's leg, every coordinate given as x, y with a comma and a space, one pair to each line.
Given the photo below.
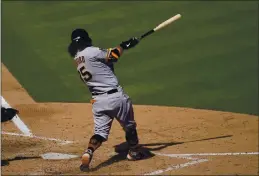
94, 143
101, 132
131, 136
126, 118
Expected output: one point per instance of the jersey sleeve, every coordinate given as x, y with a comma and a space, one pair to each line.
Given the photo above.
109, 55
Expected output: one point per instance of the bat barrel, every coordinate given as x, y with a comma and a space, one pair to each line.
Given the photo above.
161, 25
167, 22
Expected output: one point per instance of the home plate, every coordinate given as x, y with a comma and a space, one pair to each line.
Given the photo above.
57, 156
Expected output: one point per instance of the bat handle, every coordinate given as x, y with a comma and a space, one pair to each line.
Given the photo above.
146, 34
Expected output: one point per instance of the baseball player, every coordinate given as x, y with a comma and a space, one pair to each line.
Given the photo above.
96, 69
7, 114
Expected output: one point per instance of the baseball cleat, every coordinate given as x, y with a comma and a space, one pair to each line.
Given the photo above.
86, 160
135, 154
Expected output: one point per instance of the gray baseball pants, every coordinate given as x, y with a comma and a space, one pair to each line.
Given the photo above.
106, 107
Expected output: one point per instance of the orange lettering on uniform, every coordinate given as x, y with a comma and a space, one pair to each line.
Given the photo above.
80, 60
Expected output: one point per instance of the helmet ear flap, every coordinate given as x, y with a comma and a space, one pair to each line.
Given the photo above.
72, 49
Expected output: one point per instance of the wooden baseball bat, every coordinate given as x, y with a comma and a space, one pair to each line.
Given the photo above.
161, 25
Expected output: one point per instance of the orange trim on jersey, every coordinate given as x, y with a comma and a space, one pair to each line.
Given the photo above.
108, 54
92, 101
114, 55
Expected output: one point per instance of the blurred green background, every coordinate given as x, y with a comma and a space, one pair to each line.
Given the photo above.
208, 59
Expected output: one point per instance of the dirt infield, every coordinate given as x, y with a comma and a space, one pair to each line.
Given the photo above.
217, 142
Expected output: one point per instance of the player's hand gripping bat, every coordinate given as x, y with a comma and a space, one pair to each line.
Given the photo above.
161, 25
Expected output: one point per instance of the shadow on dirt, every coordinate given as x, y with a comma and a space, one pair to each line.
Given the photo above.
164, 145
122, 150
120, 156
6, 161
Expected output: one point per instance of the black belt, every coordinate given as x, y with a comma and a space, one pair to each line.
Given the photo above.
109, 92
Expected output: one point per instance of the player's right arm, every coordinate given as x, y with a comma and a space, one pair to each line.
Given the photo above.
113, 54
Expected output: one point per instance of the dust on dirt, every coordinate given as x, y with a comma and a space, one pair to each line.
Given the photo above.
162, 130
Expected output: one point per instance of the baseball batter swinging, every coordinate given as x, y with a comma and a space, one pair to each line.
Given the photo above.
96, 69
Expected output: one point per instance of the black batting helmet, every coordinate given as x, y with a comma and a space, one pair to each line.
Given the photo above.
79, 41
80, 34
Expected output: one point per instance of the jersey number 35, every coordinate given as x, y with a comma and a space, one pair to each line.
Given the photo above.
84, 74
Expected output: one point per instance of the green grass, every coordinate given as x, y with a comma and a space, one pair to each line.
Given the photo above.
208, 59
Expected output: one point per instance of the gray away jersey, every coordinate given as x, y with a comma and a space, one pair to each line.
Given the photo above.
95, 71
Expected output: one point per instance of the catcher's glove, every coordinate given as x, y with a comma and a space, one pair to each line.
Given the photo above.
8, 113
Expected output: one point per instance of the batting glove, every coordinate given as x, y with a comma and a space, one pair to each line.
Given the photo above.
130, 43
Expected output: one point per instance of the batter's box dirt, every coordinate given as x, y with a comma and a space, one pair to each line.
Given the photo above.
170, 130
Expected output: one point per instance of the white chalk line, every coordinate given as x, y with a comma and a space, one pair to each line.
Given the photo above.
62, 142
207, 154
177, 166
193, 160
17, 120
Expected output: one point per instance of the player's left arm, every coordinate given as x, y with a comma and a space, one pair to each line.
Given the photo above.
113, 54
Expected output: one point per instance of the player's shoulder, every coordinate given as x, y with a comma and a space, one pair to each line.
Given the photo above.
94, 49
90, 53
87, 52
